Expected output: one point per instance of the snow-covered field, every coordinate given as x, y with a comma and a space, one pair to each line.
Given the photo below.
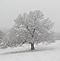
42, 53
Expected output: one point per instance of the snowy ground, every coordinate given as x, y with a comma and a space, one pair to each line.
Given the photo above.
42, 53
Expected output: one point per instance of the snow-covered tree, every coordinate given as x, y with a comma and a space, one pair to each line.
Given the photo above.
1, 36
32, 28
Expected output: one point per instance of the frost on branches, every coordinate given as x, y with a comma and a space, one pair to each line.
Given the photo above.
31, 28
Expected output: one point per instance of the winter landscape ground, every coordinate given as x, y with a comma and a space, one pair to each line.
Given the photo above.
42, 53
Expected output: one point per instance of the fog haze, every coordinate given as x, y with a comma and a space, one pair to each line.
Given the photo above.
10, 9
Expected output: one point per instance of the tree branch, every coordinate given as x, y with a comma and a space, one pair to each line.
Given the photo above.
24, 42
30, 32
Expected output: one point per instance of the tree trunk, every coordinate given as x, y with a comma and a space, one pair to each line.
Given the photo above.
32, 46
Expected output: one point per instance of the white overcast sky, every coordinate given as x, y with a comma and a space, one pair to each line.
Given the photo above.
10, 9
